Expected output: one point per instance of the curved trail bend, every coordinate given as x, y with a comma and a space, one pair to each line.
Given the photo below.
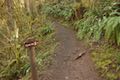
63, 66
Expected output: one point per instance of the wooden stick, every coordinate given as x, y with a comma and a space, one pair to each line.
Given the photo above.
32, 62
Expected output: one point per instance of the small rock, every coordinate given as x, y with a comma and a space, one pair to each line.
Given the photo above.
66, 77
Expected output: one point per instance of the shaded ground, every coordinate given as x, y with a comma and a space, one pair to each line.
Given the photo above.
64, 67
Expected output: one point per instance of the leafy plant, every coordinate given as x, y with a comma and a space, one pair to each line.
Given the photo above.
96, 27
46, 29
88, 26
59, 10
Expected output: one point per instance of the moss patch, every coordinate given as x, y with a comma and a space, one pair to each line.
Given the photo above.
107, 61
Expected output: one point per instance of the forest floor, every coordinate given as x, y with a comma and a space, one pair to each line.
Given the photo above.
64, 66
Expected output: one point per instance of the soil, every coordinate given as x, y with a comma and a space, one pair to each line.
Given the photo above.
64, 65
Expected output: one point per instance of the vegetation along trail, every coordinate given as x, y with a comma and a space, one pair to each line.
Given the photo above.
64, 67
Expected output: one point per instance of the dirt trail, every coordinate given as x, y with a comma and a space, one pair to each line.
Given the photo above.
64, 67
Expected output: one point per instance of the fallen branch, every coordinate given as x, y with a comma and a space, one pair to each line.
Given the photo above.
83, 53
80, 55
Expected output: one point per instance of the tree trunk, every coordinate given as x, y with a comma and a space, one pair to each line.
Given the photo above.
30, 7
27, 4
10, 20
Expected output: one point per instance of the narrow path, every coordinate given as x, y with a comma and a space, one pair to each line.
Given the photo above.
64, 66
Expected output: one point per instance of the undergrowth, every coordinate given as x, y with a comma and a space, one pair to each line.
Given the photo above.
107, 62
60, 10
107, 26
14, 59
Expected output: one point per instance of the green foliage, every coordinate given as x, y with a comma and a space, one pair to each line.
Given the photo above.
85, 26
14, 61
46, 29
111, 26
93, 26
59, 10
107, 62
